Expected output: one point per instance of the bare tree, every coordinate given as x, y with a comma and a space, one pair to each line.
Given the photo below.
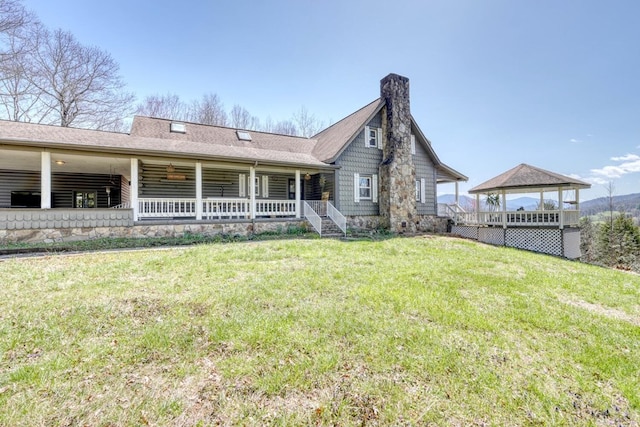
79, 84
168, 106
306, 123
242, 119
285, 127
209, 111
13, 16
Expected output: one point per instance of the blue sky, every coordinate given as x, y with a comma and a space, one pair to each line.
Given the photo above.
494, 83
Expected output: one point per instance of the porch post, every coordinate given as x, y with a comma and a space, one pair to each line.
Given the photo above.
504, 209
577, 191
252, 191
134, 188
297, 193
198, 191
478, 217
561, 207
541, 207
457, 195
45, 180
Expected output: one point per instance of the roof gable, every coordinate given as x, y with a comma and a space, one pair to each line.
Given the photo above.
332, 141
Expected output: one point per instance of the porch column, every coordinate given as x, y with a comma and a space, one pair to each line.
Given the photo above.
561, 207
504, 209
457, 195
45, 180
541, 207
198, 191
297, 193
134, 188
252, 191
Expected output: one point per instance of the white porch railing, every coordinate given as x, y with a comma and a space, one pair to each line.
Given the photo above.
275, 207
520, 218
125, 205
312, 216
226, 208
214, 208
337, 217
318, 206
164, 208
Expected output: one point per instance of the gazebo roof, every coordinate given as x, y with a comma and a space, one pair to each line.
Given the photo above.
524, 178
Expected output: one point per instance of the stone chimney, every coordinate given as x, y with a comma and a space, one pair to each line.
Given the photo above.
397, 199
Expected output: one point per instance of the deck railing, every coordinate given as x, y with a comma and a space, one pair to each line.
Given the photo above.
226, 208
319, 206
166, 208
519, 218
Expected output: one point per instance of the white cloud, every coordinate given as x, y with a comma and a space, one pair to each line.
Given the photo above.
574, 140
626, 157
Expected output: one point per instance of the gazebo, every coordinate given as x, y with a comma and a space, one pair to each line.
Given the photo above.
552, 227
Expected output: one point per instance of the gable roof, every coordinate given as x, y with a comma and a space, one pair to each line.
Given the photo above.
332, 141
527, 177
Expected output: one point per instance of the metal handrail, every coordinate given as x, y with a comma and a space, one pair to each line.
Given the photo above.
337, 217
313, 217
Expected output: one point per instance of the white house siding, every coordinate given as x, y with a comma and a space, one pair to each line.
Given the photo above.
357, 158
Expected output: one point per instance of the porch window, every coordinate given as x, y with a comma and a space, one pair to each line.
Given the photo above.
83, 199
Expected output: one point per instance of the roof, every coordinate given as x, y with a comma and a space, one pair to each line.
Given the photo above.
216, 144
332, 141
527, 177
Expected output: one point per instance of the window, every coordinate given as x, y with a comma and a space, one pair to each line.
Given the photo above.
413, 144
372, 137
421, 190
84, 199
418, 190
365, 188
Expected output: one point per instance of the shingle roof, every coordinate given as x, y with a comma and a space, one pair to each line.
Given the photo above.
524, 177
334, 139
270, 148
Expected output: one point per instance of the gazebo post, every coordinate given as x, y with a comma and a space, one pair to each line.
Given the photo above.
561, 207
457, 195
541, 207
504, 209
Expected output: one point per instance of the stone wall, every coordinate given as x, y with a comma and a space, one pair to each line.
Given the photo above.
397, 171
148, 229
422, 223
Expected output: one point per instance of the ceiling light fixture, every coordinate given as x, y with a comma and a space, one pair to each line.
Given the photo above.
60, 162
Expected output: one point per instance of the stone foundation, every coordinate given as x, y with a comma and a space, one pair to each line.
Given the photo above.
422, 224
145, 230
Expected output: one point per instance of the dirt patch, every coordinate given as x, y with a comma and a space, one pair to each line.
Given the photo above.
611, 313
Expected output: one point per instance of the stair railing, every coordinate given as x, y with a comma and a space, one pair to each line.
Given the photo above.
313, 217
337, 217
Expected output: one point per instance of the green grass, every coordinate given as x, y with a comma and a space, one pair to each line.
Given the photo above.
402, 331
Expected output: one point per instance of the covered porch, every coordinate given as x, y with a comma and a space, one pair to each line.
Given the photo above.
57, 183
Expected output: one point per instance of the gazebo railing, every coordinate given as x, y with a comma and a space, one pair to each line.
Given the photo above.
521, 218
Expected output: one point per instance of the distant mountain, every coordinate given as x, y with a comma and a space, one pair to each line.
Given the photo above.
627, 203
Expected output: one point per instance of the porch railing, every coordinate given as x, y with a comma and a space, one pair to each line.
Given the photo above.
226, 208
337, 217
214, 208
164, 208
319, 206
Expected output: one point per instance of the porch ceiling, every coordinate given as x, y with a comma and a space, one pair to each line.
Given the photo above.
73, 163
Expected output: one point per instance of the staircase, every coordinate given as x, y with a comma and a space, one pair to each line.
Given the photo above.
331, 223
330, 228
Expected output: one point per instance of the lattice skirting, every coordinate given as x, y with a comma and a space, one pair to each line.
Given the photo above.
491, 235
465, 231
553, 241
544, 240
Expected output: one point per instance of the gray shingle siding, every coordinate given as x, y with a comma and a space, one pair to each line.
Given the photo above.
357, 158
425, 169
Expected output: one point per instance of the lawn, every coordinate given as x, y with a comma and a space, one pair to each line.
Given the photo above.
404, 331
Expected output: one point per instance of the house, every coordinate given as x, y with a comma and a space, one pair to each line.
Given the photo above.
373, 169
552, 228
